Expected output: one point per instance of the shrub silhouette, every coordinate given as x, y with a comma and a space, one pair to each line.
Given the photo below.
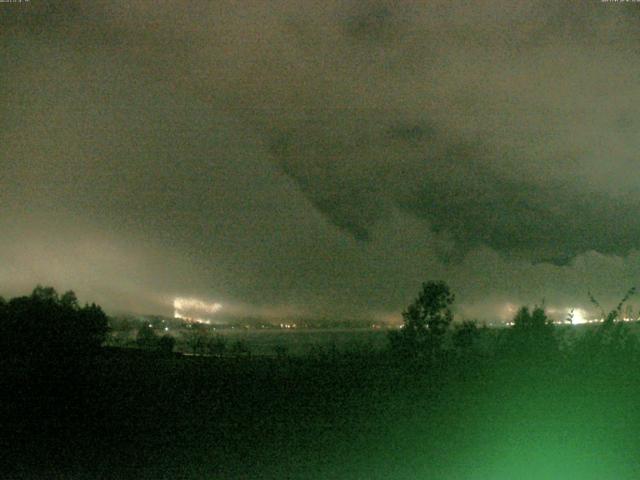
166, 343
616, 313
217, 345
197, 339
465, 335
611, 342
532, 335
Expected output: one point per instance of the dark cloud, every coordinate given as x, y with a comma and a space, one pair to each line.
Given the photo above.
319, 156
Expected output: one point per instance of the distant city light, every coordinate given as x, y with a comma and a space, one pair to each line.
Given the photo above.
194, 310
578, 316
560, 316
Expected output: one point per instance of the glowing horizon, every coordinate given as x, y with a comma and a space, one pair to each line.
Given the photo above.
185, 308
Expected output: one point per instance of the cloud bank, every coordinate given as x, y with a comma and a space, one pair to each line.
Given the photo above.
322, 156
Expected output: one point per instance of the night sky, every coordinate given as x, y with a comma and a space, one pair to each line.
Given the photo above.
320, 158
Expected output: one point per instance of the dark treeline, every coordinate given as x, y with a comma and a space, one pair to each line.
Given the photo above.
45, 324
429, 335
445, 400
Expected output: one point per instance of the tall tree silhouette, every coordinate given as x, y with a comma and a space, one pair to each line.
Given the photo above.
426, 321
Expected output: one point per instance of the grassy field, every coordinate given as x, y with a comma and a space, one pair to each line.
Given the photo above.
301, 342
131, 414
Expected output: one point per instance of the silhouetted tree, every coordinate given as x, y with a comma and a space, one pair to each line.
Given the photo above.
45, 294
147, 337
69, 300
426, 321
93, 324
532, 334
45, 324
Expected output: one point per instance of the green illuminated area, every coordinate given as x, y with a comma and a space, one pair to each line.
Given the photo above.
254, 191
444, 400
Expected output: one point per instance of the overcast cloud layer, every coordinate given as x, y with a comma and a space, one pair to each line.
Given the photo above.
320, 157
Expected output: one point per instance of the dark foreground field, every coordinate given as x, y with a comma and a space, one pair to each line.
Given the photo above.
126, 414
